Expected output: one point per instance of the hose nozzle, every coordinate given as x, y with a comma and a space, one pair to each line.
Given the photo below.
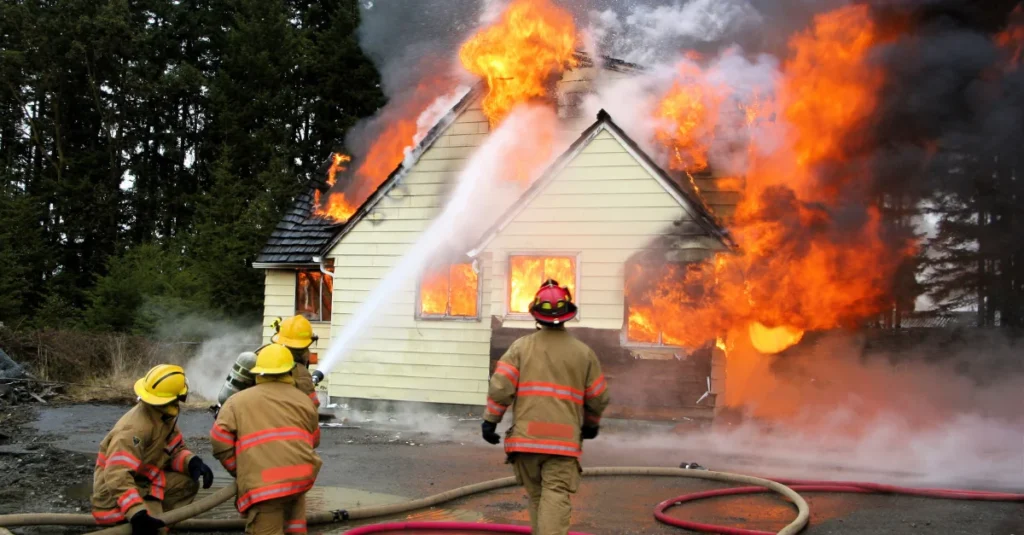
317, 376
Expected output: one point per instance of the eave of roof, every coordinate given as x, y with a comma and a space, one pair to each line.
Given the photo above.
604, 122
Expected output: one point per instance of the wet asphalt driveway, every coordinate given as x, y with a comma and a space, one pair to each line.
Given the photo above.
377, 459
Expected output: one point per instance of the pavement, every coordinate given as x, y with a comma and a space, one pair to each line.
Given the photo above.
373, 459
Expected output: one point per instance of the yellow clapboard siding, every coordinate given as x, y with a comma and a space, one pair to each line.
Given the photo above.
471, 140
389, 224
280, 289
280, 311
402, 320
412, 370
423, 346
411, 383
399, 394
602, 160
627, 172
604, 146
606, 187
429, 180
603, 214
597, 198
448, 153
279, 300
388, 357
464, 128
481, 334
280, 277
440, 165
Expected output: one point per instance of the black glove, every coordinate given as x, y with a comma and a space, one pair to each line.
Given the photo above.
490, 432
143, 524
197, 468
589, 432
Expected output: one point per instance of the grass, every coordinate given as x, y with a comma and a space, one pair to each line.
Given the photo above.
97, 367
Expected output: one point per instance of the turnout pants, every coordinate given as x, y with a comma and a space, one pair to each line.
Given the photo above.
274, 517
548, 480
179, 492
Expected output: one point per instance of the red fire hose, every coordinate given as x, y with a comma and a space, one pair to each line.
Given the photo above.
801, 485
443, 526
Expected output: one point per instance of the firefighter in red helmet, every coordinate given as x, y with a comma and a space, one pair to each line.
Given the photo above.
554, 385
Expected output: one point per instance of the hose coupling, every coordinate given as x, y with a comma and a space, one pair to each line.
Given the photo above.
340, 515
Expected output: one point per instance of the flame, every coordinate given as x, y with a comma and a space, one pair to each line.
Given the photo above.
798, 268
518, 55
687, 119
336, 207
771, 340
449, 290
1012, 38
528, 272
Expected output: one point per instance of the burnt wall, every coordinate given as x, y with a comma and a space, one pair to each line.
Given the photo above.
660, 384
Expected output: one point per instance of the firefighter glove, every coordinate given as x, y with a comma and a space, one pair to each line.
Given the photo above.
490, 432
143, 524
197, 468
589, 432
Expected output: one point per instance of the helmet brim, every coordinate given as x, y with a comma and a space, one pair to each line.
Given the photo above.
259, 370
556, 320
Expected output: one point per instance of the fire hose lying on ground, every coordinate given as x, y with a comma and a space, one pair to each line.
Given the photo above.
183, 518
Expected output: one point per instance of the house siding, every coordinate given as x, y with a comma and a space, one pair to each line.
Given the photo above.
603, 207
400, 357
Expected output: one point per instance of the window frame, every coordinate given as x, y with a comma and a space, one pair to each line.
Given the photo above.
320, 295
418, 311
624, 340
542, 253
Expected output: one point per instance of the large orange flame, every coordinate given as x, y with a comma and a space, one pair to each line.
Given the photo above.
449, 290
798, 268
687, 118
526, 273
518, 55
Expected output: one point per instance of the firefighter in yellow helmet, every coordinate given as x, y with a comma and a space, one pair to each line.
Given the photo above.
143, 467
295, 333
554, 384
265, 436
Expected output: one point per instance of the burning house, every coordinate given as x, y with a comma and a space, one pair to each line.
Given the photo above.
601, 210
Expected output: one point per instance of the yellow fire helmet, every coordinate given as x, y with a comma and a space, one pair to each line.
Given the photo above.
163, 384
295, 332
274, 359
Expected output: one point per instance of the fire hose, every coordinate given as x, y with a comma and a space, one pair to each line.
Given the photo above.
182, 518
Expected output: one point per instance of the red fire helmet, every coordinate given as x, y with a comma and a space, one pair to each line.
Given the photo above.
553, 304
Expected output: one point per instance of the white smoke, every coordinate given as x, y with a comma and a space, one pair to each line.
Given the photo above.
647, 33
209, 368
429, 117
484, 189
741, 80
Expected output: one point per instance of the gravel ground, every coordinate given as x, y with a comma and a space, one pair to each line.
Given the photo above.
46, 466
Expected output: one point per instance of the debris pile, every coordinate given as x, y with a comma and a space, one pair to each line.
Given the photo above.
18, 387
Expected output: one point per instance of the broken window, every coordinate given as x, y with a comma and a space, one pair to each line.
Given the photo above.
526, 273
656, 297
313, 294
449, 291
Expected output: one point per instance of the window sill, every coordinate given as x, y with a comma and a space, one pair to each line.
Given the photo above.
448, 318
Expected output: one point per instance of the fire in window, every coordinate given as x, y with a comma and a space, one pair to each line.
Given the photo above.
449, 291
657, 297
526, 273
313, 294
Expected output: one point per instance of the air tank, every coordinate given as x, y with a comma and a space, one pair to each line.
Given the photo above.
239, 379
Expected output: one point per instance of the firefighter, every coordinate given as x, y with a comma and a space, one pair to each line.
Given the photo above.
554, 384
295, 333
143, 467
265, 437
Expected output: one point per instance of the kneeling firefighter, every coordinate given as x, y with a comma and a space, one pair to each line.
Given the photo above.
554, 384
143, 467
295, 333
266, 437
